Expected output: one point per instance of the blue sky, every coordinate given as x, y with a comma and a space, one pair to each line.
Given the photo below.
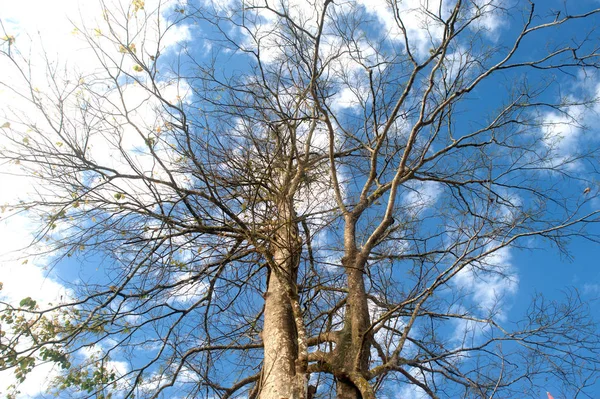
536, 268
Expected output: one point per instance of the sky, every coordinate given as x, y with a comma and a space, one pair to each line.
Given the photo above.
42, 27
53, 26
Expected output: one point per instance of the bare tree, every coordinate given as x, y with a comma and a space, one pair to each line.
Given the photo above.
304, 211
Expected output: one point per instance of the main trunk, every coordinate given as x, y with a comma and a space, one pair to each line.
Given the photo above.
283, 374
280, 342
352, 353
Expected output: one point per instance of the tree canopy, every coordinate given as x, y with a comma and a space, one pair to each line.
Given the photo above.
305, 199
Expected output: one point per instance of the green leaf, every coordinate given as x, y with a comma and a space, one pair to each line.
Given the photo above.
27, 303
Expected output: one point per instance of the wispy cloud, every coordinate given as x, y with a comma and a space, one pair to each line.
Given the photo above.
489, 283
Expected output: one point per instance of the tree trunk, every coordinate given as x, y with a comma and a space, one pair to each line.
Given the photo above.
352, 352
284, 372
280, 343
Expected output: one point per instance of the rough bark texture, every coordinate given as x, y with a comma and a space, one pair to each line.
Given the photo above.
352, 351
279, 336
283, 375
352, 354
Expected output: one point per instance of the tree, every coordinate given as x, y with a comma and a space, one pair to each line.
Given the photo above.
307, 199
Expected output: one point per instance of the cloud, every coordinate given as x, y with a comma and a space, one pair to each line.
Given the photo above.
37, 381
488, 17
22, 272
423, 30
421, 24
563, 132
189, 291
348, 98
591, 289
95, 352
22, 275
412, 391
489, 282
421, 196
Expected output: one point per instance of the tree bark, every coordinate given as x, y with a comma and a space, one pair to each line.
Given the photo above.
352, 351
279, 337
284, 372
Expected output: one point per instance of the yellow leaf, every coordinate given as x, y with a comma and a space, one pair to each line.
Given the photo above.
138, 68
5, 125
97, 32
26, 261
138, 5
9, 38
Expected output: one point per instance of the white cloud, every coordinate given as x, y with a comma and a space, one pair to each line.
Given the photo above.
95, 352
37, 381
412, 391
62, 34
489, 16
20, 279
421, 20
346, 98
21, 263
264, 27
489, 282
421, 196
563, 133
189, 291
591, 289
422, 29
